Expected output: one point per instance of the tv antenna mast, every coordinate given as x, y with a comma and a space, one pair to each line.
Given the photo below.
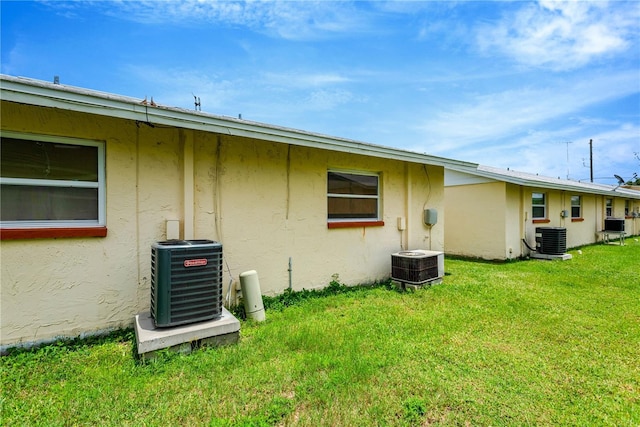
567, 142
196, 101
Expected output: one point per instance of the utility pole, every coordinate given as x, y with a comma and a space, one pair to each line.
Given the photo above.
591, 158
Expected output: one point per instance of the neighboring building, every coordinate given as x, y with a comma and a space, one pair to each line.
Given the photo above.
91, 180
490, 211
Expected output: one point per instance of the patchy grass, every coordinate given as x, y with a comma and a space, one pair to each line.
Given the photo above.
521, 343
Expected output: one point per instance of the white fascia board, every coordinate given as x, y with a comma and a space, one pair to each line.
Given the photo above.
45, 94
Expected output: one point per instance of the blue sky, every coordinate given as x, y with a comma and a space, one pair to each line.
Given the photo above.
520, 85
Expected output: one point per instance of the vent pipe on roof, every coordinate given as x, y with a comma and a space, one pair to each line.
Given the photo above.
56, 80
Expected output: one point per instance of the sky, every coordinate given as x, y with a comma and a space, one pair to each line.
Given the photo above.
510, 84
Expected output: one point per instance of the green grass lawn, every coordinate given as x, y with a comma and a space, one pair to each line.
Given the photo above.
521, 343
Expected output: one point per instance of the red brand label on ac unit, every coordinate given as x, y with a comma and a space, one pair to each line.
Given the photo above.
195, 262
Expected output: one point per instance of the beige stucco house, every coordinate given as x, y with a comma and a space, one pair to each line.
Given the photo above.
91, 180
492, 212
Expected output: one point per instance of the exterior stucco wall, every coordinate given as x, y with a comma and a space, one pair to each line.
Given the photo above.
481, 237
580, 231
476, 220
275, 215
265, 202
514, 225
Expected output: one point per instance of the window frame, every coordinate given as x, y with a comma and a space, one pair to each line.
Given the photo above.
360, 221
59, 228
578, 206
543, 206
608, 208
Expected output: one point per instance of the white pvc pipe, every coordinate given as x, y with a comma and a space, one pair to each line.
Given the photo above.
252, 296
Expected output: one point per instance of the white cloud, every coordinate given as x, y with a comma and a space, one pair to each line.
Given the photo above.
302, 79
176, 87
547, 153
616, 146
293, 20
271, 95
495, 116
327, 99
563, 35
15, 59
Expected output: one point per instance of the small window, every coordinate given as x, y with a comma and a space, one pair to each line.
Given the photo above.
576, 207
353, 196
538, 206
627, 207
51, 182
608, 208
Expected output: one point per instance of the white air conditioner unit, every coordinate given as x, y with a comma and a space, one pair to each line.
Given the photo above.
417, 267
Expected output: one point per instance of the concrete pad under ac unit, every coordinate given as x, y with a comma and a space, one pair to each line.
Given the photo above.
561, 257
149, 339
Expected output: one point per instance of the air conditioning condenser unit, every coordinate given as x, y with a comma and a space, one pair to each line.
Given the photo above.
615, 225
417, 267
551, 240
186, 281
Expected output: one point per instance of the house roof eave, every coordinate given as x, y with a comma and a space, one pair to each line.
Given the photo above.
536, 181
45, 94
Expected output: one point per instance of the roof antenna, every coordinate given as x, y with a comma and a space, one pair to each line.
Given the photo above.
620, 181
56, 80
196, 101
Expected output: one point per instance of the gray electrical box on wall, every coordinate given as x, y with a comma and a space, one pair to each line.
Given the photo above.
430, 216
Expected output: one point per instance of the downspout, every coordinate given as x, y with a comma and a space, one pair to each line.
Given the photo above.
635, 218
522, 221
407, 205
288, 200
140, 294
525, 218
217, 203
217, 208
597, 217
188, 180
288, 181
